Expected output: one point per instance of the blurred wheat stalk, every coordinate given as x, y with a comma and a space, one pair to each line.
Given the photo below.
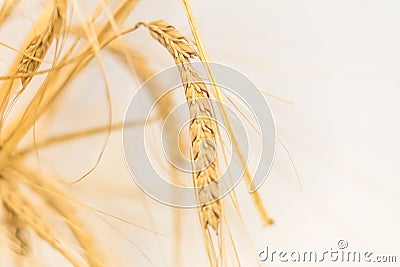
16, 178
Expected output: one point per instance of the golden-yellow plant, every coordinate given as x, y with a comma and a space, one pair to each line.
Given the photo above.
17, 177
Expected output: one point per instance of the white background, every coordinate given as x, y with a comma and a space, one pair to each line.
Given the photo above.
337, 61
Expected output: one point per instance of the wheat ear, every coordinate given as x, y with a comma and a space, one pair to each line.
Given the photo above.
38, 47
202, 125
202, 130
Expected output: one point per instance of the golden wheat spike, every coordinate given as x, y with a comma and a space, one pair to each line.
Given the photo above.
38, 47
202, 127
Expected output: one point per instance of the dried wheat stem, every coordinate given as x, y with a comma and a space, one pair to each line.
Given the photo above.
58, 139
